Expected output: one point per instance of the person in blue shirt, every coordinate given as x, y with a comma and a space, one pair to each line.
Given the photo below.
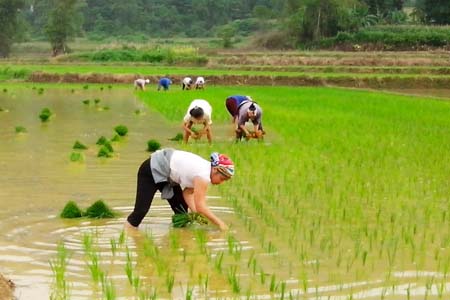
233, 103
164, 83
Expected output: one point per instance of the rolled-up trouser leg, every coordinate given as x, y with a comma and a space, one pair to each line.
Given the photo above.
177, 202
146, 189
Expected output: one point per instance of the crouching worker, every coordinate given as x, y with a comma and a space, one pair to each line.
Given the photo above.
200, 83
249, 112
183, 179
186, 84
199, 112
233, 103
140, 83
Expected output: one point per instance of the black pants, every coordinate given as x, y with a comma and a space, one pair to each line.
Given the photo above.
146, 189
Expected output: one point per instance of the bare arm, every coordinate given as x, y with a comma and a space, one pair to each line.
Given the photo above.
200, 189
188, 195
186, 127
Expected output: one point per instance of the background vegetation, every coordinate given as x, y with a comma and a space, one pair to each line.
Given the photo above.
271, 23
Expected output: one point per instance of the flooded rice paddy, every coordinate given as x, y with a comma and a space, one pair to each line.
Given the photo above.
51, 258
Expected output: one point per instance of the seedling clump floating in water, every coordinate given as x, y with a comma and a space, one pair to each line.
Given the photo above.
79, 145
45, 114
76, 156
20, 129
153, 145
178, 137
71, 211
99, 210
121, 130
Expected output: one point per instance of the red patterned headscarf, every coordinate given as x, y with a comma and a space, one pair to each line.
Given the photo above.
223, 164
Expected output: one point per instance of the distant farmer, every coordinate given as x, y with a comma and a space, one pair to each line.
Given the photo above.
183, 179
233, 102
140, 83
249, 112
200, 83
164, 83
186, 84
199, 112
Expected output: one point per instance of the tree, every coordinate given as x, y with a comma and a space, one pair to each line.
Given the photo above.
61, 24
9, 10
435, 11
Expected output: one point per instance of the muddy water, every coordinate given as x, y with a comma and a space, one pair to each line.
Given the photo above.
37, 179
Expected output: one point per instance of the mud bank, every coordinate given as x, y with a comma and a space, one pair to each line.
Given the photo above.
420, 82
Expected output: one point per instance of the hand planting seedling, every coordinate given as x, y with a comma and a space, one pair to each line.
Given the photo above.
187, 219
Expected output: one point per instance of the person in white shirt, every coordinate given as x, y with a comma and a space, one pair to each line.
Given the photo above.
186, 83
183, 179
199, 112
140, 83
200, 83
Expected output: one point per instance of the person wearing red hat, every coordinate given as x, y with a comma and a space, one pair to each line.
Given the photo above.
182, 178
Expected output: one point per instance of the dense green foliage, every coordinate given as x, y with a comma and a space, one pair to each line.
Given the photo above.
8, 24
278, 24
71, 211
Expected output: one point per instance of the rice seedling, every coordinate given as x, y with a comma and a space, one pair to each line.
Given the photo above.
40, 91
86, 101
113, 244
20, 129
121, 130
99, 210
170, 281
45, 115
233, 279
129, 267
188, 219
71, 210
59, 268
218, 262
93, 264
104, 152
108, 289
101, 140
76, 157
5, 90
178, 137
115, 138
153, 145
96, 101
85, 87
78, 145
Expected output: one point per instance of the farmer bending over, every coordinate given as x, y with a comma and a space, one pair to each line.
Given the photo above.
249, 112
232, 103
183, 179
186, 83
200, 83
164, 83
140, 83
199, 112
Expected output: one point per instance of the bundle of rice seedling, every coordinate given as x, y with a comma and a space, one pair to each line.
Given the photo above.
71, 211
79, 145
153, 145
76, 156
121, 130
178, 137
45, 114
186, 219
20, 129
99, 210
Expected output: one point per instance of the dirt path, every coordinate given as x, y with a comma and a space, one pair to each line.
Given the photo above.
393, 82
6, 289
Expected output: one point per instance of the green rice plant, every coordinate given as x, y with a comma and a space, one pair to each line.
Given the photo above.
122, 238
71, 211
93, 264
96, 101
101, 140
45, 114
189, 293
201, 238
129, 267
115, 138
170, 281
85, 86
20, 129
188, 219
218, 262
178, 137
5, 90
40, 91
104, 152
59, 267
99, 210
108, 289
121, 130
273, 284
76, 157
233, 279
86, 101
113, 244
153, 145
79, 145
